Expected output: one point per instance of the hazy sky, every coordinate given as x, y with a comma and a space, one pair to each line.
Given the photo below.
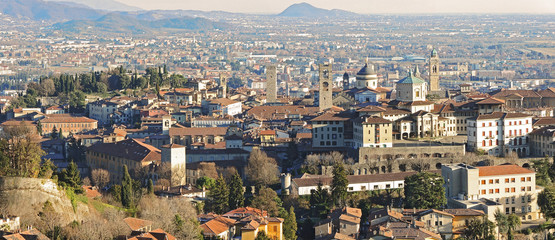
358, 6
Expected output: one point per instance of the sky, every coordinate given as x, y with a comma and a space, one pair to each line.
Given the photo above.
358, 6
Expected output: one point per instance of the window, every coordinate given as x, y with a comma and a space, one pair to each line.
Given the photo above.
506, 180
350, 188
506, 200
513, 189
483, 182
507, 190
523, 179
497, 190
529, 188
496, 181
507, 211
491, 181
529, 179
523, 199
513, 200
483, 191
491, 191
513, 180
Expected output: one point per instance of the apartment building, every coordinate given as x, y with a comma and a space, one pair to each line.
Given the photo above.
511, 187
500, 133
328, 130
542, 142
372, 132
67, 124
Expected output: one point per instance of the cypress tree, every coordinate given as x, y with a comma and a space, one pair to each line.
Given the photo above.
150, 187
236, 197
339, 184
290, 225
71, 177
126, 189
219, 197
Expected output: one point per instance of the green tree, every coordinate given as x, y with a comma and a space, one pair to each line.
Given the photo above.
71, 177
480, 229
267, 200
127, 189
262, 236
290, 225
236, 197
320, 200
542, 168
502, 222
424, 190
339, 184
150, 187
39, 128
513, 222
218, 197
205, 182
546, 202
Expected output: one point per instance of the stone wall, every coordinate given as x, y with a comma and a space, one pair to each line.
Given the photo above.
26, 196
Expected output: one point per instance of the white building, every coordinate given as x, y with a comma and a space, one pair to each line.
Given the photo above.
510, 186
500, 133
357, 183
542, 142
102, 111
224, 106
411, 89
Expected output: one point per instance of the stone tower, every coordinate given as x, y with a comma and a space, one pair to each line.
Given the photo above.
166, 124
326, 86
223, 86
434, 71
345, 81
271, 84
174, 160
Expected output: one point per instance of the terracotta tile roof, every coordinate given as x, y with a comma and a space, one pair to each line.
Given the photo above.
55, 118
547, 131
304, 136
32, 234
223, 101
491, 101
373, 120
501, 115
157, 234
550, 92
246, 211
136, 224
371, 108
131, 149
522, 93
502, 170
268, 132
338, 236
217, 225
544, 121
205, 131
329, 117
271, 112
464, 212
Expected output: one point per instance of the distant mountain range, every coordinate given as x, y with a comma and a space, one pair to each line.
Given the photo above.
309, 11
106, 5
119, 23
49, 11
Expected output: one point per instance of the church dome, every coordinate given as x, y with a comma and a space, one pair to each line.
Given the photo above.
411, 79
434, 52
366, 72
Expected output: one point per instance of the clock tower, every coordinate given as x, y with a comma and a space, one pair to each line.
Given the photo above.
326, 86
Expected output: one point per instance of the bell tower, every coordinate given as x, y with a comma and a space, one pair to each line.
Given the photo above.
345, 81
326, 86
434, 71
223, 86
271, 84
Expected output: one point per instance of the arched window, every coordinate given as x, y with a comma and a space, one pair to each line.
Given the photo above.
417, 93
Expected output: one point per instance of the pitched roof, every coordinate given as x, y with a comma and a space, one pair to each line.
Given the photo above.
329, 117
217, 225
136, 224
491, 101
131, 149
502, 170
464, 212
157, 234
411, 79
501, 115
270, 112
522, 93
204, 131
62, 118
353, 179
547, 131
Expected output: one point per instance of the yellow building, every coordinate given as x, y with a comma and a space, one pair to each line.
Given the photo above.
462, 217
252, 221
372, 132
113, 156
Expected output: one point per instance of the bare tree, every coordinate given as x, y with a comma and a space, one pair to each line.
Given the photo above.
262, 169
173, 215
100, 177
208, 169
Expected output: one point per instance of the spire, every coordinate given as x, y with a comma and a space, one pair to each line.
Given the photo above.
416, 71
